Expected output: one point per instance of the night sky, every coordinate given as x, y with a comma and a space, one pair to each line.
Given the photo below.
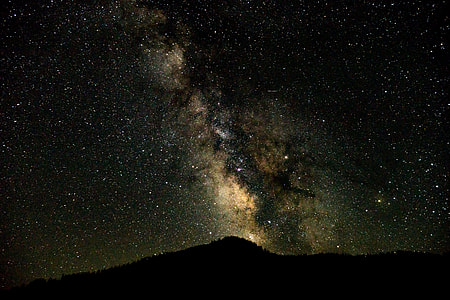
131, 128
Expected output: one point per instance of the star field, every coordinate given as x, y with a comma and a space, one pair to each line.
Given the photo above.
131, 128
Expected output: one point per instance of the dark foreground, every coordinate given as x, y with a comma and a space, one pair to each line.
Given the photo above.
239, 264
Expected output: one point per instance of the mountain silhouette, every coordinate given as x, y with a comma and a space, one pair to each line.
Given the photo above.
238, 262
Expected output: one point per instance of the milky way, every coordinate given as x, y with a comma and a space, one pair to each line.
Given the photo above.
131, 128
251, 160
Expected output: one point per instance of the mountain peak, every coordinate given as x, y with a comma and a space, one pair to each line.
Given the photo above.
227, 248
234, 242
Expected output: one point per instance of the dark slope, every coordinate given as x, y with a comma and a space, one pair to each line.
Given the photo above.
235, 262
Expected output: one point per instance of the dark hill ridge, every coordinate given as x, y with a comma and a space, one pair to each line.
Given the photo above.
237, 260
